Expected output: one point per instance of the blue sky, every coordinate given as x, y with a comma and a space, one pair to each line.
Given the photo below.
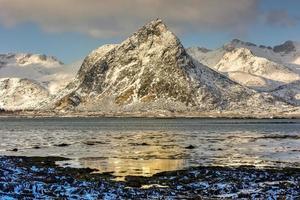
70, 29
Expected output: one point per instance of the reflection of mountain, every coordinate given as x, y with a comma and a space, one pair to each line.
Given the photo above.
135, 167
141, 153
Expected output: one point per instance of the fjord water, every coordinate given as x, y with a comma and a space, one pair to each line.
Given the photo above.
142, 146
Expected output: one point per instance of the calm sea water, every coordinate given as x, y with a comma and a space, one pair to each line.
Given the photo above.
130, 146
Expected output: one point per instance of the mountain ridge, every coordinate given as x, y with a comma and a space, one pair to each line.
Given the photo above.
151, 70
256, 66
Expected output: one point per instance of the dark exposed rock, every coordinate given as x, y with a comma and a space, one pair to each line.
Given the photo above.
139, 144
40, 178
62, 145
15, 150
237, 41
203, 49
286, 47
190, 147
91, 143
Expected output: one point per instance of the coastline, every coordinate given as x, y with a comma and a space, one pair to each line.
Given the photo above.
34, 177
155, 115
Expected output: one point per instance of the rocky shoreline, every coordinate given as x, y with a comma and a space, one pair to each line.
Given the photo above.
163, 114
40, 177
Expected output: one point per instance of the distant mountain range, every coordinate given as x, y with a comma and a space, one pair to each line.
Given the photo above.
275, 70
44, 75
151, 71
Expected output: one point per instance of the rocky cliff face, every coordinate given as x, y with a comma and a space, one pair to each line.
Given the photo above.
152, 71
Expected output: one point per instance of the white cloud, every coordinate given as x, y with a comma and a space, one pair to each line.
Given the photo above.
103, 18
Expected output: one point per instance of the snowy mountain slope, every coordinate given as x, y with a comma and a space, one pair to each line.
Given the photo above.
152, 71
29, 79
24, 60
290, 93
209, 58
243, 60
47, 71
20, 94
287, 54
258, 67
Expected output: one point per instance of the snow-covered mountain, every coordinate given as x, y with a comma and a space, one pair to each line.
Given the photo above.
23, 59
289, 92
151, 71
287, 53
46, 70
20, 94
32, 71
241, 60
258, 67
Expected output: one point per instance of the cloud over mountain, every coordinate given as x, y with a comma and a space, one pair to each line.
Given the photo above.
100, 18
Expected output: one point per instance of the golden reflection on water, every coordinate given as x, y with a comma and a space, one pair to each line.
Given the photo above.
125, 167
148, 153
139, 154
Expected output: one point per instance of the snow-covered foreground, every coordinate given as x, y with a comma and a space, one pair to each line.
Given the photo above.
40, 178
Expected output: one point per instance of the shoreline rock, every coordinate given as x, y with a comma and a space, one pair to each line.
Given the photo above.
40, 177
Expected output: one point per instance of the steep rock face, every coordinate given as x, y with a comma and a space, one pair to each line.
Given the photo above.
152, 71
20, 94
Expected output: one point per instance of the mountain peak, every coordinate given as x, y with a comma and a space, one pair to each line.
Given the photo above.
154, 24
286, 47
238, 41
28, 59
200, 49
150, 71
154, 29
